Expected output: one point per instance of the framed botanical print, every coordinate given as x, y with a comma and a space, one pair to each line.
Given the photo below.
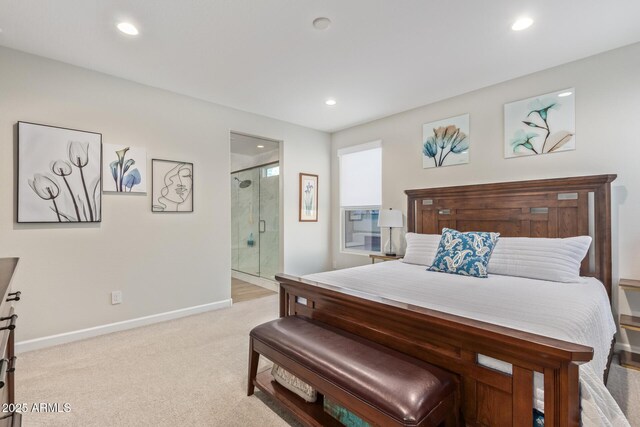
171, 186
59, 179
446, 142
125, 169
540, 125
308, 206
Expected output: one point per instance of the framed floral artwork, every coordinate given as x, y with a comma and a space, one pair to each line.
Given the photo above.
446, 142
540, 125
59, 177
125, 169
171, 186
308, 206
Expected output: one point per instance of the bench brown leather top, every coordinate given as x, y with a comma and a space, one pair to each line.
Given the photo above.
403, 387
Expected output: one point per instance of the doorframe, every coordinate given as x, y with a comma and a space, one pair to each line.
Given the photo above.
281, 161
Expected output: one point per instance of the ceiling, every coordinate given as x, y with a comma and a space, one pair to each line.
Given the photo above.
248, 145
379, 57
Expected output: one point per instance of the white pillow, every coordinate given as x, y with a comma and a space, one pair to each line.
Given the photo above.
556, 260
421, 248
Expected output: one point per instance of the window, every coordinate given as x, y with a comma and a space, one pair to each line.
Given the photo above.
273, 171
360, 197
360, 230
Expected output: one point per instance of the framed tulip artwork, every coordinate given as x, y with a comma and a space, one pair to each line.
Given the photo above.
124, 168
540, 125
59, 178
446, 142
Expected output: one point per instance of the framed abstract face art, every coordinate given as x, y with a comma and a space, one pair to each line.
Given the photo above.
171, 186
59, 178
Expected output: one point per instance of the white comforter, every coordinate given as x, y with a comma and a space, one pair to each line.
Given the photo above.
575, 312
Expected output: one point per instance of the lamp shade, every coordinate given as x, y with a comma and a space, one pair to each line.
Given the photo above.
390, 218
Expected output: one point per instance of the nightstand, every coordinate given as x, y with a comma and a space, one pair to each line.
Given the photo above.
383, 257
632, 323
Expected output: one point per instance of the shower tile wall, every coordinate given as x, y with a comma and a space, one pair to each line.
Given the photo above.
234, 222
245, 213
252, 251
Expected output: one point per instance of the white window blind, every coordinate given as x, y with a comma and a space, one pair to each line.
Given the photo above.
361, 175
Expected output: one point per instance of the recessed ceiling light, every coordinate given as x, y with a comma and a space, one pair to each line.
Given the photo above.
330, 102
321, 23
522, 24
260, 146
563, 94
128, 28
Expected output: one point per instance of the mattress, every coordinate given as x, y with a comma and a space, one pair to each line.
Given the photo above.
576, 312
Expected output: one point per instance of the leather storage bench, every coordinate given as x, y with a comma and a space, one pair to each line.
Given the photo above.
380, 385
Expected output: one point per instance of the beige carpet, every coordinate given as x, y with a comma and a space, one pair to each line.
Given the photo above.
187, 372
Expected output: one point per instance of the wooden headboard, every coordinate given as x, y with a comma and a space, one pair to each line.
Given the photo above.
561, 207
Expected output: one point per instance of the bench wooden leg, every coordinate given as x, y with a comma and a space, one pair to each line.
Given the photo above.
253, 368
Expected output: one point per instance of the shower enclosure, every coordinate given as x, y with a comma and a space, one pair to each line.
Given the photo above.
255, 234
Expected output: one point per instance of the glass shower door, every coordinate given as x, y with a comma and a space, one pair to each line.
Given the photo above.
255, 221
269, 220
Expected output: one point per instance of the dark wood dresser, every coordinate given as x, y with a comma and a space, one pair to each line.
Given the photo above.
8, 317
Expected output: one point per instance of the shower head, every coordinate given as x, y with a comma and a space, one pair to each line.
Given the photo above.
243, 184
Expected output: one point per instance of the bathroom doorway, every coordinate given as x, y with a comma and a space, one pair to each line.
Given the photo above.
255, 208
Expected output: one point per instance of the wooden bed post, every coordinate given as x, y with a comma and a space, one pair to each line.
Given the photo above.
283, 302
522, 397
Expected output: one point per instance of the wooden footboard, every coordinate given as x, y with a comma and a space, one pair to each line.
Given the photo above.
489, 397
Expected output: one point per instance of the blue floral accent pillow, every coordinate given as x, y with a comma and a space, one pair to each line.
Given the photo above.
464, 253
538, 418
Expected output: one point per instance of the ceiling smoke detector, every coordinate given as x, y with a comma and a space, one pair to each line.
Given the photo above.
321, 23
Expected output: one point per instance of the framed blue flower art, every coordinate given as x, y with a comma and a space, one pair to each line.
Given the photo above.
540, 125
446, 142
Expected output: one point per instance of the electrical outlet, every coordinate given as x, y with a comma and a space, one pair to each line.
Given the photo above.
116, 297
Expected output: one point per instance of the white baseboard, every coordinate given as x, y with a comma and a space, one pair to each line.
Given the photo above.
255, 280
95, 331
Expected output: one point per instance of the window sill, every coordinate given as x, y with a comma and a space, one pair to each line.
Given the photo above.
361, 253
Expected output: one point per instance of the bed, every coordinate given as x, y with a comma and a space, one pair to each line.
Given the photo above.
523, 352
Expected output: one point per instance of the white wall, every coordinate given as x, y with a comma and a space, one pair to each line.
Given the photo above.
160, 262
607, 110
244, 161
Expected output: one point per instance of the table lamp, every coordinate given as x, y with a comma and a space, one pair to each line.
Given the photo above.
392, 219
